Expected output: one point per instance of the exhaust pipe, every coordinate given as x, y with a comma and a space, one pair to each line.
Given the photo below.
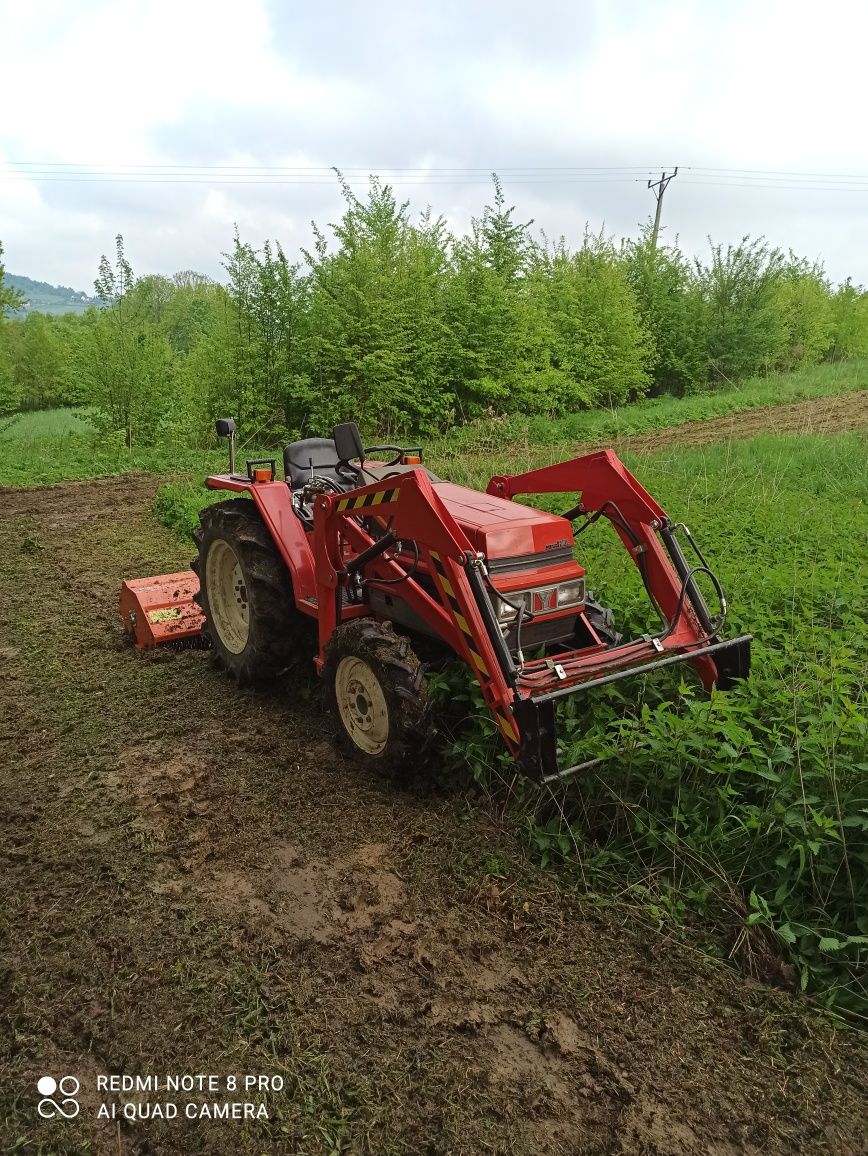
225, 427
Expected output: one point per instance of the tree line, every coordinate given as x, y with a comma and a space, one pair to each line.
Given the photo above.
408, 328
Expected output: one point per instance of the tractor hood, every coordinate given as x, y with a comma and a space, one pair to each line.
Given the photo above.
506, 532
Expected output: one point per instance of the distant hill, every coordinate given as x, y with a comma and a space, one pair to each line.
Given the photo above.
44, 298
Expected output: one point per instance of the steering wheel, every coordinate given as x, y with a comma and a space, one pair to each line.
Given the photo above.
397, 450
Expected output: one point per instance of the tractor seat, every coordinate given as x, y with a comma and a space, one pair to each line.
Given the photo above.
298, 457
321, 452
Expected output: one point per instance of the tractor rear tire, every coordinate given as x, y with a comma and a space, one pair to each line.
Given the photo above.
245, 592
376, 690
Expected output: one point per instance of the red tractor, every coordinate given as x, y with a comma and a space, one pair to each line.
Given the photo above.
391, 563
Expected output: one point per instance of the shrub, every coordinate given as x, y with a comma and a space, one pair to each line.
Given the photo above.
598, 345
746, 332
674, 313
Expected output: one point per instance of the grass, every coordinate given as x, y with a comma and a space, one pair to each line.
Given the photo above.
49, 459
45, 423
599, 425
59, 445
751, 805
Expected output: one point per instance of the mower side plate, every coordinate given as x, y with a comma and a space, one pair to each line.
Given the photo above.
161, 609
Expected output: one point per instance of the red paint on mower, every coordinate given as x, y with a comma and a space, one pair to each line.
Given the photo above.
161, 609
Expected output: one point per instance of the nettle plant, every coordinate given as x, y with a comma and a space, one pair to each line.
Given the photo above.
747, 811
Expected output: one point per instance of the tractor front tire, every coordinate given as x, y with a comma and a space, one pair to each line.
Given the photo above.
245, 593
376, 690
603, 621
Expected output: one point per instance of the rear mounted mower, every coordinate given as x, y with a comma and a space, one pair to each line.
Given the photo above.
385, 562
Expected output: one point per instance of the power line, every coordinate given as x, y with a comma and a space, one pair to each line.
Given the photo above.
781, 187
252, 174
599, 170
218, 180
344, 168
779, 173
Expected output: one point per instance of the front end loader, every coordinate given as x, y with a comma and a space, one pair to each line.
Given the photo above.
379, 569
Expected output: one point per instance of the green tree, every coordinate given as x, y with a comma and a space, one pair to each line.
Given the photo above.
849, 322
600, 352
9, 298
267, 298
747, 331
803, 300
123, 358
374, 340
10, 396
42, 366
495, 334
673, 311
204, 332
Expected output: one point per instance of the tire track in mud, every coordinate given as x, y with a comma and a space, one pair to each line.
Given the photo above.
841, 413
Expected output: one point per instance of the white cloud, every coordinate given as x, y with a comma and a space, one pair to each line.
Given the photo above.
746, 85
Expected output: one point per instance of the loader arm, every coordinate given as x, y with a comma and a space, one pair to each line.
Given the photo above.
407, 509
606, 487
356, 535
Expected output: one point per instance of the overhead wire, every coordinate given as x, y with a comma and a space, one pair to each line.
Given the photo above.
73, 172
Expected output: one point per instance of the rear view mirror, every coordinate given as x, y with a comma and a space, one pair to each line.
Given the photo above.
225, 427
348, 442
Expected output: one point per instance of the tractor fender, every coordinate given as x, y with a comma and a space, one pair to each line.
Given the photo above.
273, 500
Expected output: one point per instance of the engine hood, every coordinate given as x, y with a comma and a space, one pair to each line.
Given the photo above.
504, 530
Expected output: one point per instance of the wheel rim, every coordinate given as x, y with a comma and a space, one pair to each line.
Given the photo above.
227, 596
362, 705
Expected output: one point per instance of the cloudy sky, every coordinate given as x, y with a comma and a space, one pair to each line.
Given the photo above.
169, 122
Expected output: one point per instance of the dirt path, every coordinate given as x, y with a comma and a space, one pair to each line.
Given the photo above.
193, 882
822, 415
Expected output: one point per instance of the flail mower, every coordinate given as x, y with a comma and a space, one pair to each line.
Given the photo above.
393, 568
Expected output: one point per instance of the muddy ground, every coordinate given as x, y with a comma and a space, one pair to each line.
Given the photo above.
194, 882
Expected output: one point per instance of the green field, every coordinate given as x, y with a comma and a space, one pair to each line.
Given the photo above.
40, 424
57, 445
749, 811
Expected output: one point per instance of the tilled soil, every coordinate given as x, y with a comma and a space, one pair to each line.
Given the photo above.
195, 882
821, 415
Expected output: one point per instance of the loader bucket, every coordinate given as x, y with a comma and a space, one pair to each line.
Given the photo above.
161, 609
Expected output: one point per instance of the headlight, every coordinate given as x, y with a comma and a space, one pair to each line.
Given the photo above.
542, 601
571, 593
505, 612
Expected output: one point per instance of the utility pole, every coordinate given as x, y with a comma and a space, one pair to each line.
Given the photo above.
659, 188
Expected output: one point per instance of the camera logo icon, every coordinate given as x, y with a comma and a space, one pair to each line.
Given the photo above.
58, 1097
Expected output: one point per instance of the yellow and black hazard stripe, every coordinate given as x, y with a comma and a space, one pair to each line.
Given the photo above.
454, 607
507, 726
364, 500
